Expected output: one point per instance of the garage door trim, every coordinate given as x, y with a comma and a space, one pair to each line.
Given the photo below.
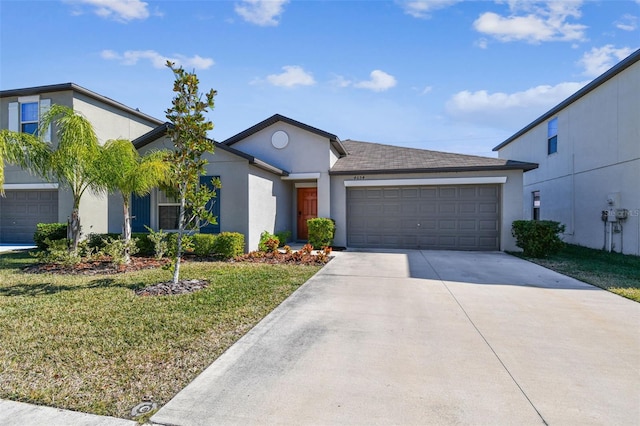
426, 182
30, 186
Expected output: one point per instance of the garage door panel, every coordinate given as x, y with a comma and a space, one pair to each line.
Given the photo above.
462, 217
21, 211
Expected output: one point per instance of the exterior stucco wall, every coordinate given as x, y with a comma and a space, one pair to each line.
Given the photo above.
598, 154
510, 202
269, 205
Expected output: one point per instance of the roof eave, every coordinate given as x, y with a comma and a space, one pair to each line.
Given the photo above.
608, 75
520, 166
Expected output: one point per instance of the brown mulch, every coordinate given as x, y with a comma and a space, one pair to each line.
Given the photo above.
100, 266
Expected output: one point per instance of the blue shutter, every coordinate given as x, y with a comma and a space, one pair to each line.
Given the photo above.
215, 202
140, 213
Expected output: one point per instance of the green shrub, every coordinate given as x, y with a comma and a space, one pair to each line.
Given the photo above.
538, 238
267, 242
98, 242
172, 244
321, 232
57, 251
117, 249
228, 245
143, 243
283, 237
50, 231
159, 241
203, 244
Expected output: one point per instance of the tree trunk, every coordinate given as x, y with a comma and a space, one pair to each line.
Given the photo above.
181, 224
126, 231
74, 231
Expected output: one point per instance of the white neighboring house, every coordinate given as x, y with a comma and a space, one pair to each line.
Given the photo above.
588, 151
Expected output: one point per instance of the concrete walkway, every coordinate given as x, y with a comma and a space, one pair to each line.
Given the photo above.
428, 338
20, 414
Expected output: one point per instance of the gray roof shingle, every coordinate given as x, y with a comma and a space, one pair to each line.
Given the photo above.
374, 158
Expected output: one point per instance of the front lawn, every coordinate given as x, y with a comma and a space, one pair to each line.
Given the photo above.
614, 272
88, 343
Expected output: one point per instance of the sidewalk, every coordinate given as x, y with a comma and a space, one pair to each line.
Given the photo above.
20, 414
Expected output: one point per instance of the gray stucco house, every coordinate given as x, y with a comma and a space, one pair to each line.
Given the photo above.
588, 151
280, 172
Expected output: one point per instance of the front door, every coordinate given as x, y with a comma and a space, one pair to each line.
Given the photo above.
307, 209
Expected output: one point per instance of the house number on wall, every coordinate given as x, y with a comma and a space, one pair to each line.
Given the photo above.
358, 178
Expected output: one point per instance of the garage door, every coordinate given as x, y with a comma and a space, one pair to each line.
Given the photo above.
21, 211
461, 217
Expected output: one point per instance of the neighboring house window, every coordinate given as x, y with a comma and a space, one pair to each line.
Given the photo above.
552, 136
168, 211
24, 115
29, 118
536, 205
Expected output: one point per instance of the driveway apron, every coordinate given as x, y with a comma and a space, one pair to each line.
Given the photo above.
428, 337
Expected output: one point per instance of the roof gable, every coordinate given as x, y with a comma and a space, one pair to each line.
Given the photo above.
374, 158
333, 139
161, 131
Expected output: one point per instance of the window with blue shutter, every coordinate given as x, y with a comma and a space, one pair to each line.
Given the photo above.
213, 206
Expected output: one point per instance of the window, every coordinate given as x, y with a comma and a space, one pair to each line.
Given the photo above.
536, 205
29, 118
168, 211
552, 136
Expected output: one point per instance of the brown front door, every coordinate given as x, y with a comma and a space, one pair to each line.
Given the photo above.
307, 209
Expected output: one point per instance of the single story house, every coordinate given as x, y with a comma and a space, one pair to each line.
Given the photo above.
280, 172
588, 151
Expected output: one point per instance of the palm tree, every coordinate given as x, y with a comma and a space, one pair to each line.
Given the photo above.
122, 169
72, 162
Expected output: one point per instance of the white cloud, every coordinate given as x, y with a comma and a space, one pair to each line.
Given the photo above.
118, 10
600, 59
261, 12
422, 8
379, 81
293, 75
508, 110
628, 22
534, 22
131, 57
340, 82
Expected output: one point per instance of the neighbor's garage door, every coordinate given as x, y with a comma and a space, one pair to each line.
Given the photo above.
21, 211
461, 217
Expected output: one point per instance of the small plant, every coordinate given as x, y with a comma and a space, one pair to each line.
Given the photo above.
287, 249
98, 242
321, 232
538, 238
58, 252
117, 249
306, 249
172, 244
229, 245
50, 231
203, 244
159, 241
283, 237
267, 241
144, 244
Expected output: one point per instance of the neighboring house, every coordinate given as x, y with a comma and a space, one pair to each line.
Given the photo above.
276, 175
280, 172
30, 200
588, 151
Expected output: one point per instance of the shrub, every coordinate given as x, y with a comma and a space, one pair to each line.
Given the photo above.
50, 231
203, 244
143, 243
283, 237
267, 241
321, 232
229, 245
116, 248
98, 242
172, 244
159, 241
57, 251
538, 238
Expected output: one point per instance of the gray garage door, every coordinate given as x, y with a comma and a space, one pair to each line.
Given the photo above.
21, 211
461, 217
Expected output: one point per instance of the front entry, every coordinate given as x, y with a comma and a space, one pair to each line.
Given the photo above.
307, 209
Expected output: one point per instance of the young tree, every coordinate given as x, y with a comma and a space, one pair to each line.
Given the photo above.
188, 133
122, 169
73, 162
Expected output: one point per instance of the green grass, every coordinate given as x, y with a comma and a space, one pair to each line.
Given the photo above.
88, 343
615, 272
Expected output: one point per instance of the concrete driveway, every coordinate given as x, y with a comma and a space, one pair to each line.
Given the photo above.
428, 337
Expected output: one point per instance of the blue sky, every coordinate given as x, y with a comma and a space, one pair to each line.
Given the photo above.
458, 76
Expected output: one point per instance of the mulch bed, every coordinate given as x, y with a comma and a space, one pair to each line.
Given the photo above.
100, 266
169, 288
